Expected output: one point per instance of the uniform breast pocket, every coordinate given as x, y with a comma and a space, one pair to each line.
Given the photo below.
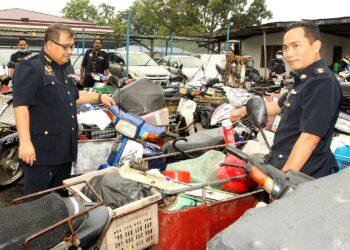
294, 101
51, 81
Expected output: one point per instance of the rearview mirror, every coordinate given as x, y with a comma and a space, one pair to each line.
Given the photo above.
115, 81
256, 111
220, 70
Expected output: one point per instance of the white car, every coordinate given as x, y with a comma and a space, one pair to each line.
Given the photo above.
5, 55
208, 69
188, 64
141, 65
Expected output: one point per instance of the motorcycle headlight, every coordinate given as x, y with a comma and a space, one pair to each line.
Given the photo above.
126, 128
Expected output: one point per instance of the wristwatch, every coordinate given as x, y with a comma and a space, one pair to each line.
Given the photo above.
99, 98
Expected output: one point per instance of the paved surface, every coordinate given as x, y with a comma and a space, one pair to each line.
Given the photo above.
9, 194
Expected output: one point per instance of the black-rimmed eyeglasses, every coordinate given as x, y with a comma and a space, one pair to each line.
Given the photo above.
65, 47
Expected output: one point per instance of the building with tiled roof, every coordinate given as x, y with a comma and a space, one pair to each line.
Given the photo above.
17, 22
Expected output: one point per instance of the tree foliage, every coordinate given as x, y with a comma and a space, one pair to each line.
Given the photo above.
163, 17
81, 10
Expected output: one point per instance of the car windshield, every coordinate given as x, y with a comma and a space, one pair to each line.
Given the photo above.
141, 60
190, 62
76, 60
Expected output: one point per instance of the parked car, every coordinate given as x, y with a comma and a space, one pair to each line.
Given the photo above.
208, 69
5, 55
188, 64
141, 65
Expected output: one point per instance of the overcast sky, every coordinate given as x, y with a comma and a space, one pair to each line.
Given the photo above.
282, 10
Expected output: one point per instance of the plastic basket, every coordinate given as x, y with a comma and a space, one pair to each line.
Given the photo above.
137, 230
133, 226
105, 90
215, 100
7, 114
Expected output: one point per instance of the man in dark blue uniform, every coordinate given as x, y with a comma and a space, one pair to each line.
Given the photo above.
94, 61
45, 97
308, 112
22, 46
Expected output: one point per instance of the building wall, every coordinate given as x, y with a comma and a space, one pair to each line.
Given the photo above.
252, 46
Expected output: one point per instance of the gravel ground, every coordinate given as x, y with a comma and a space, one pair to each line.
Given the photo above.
9, 194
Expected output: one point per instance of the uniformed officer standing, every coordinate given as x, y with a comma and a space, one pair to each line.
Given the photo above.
22, 46
309, 111
277, 66
94, 61
45, 97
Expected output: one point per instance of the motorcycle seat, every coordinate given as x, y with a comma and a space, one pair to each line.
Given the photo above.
203, 138
21, 221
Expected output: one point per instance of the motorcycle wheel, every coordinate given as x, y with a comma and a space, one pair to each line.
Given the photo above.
10, 171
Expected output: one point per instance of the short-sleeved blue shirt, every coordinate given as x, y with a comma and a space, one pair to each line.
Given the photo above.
312, 106
51, 94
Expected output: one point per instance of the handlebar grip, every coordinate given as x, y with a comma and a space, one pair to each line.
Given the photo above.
237, 152
171, 134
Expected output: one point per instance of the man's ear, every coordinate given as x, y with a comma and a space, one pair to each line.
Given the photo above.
317, 46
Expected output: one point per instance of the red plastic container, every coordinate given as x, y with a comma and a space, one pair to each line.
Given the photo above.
179, 175
237, 186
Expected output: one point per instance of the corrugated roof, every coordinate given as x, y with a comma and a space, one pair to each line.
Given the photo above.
336, 26
30, 18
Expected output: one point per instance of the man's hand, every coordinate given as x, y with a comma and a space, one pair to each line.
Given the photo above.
107, 100
81, 81
26, 153
238, 114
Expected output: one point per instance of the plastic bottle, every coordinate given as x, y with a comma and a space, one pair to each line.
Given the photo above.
228, 132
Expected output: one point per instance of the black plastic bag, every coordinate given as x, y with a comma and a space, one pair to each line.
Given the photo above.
117, 191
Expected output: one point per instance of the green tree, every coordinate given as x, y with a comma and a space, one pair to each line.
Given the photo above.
81, 10
169, 16
105, 14
198, 16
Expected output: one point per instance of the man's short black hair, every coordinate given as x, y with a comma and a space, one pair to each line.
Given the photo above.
54, 31
22, 39
100, 39
311, 30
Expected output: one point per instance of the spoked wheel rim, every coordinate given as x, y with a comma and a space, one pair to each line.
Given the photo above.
10, 170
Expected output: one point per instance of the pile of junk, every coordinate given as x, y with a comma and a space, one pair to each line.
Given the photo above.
167, 169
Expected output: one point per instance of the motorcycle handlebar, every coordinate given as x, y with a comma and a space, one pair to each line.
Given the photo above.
167, 133
237, 152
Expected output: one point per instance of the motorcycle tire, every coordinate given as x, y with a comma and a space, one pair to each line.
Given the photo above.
10, 171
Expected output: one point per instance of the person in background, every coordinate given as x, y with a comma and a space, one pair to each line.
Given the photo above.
344, 64
306, 115
22, 46
276, 66
45, 98
94, 61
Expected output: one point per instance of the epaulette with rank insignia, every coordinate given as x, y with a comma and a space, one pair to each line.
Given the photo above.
319, 70
31, 56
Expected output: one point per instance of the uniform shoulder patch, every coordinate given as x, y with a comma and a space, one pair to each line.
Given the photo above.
31, 56
320, 70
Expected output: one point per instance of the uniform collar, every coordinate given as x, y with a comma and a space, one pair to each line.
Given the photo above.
309, 71
48, 60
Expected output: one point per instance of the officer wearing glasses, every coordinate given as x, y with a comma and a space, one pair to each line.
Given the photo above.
45, 97
94, 61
